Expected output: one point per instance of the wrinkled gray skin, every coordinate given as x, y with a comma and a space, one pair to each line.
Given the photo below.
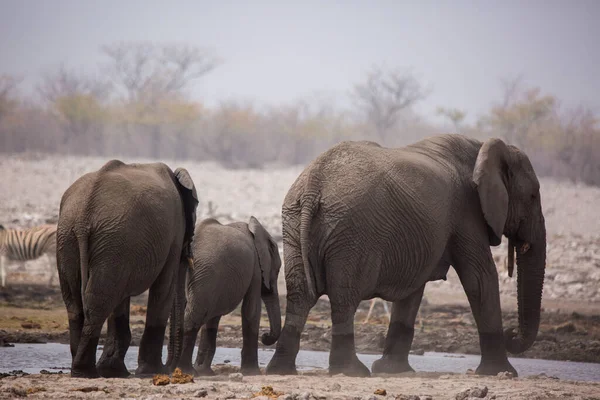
122, 230
233, 263
363, 221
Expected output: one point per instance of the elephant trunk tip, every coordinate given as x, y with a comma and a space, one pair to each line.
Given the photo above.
516, 343
267, 339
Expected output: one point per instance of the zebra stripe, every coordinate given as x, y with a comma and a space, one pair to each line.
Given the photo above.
28, 244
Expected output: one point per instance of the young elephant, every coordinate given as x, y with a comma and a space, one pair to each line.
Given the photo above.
233, 263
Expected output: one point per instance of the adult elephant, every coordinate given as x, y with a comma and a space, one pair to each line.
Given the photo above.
364, 221
122, 230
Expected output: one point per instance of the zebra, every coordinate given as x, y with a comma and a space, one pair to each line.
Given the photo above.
28, 244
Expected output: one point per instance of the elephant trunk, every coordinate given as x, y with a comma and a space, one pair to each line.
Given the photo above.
531, 265
271, 301
176, 324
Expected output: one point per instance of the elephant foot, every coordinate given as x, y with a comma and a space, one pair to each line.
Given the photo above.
145, 370
276, 367
493, 355
493, 368
343, 359
112, 368
249, 371
186, 368
356, 369
89, 372
202, 370
386, 365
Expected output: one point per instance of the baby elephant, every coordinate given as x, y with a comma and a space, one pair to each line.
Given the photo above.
233, 263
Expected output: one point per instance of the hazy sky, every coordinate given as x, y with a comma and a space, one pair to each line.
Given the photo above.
277, 51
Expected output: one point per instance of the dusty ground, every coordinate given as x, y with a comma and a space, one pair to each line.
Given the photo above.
34, 314
30, 192
316, 385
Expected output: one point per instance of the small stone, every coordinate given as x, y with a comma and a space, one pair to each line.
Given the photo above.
201, 393
30, 325
505, 375
462, 395
236, 377
286, 397
229, 395
304, 396
18, 392
470, 372
335, 387
479, 392
567, 327
380, 392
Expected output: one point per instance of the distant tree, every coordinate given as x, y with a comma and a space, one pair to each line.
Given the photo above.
384, 95
455, 116
8, 86
78, 102
146, 71
230, 133
153, 80
579, 145
520, 111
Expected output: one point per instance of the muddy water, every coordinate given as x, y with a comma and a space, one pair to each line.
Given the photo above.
32, 358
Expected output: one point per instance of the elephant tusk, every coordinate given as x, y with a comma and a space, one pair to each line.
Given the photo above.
525, 248
190, 262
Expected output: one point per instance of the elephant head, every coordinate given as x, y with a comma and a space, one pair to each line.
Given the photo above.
189, 197
270, 264
509, 193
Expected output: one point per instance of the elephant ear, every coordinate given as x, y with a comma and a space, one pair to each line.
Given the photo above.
190, 203
490, 177
264, 247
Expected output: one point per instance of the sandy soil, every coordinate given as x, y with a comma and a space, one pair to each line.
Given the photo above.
311, 385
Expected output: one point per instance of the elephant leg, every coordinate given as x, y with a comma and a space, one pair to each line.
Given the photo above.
70, 286
52, 264
479, 278
2, 270
207, 347
190, 334
118, 338
160, 300
202, 347
74, 305
299, 303
96, 309
342, 357
251, 306
400, 335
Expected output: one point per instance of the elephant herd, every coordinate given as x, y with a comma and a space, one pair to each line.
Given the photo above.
361, 221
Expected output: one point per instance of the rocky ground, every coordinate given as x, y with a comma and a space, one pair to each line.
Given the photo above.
228, 384
36, 314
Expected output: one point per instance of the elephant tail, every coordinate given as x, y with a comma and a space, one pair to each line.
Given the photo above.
309, 207
82, 241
